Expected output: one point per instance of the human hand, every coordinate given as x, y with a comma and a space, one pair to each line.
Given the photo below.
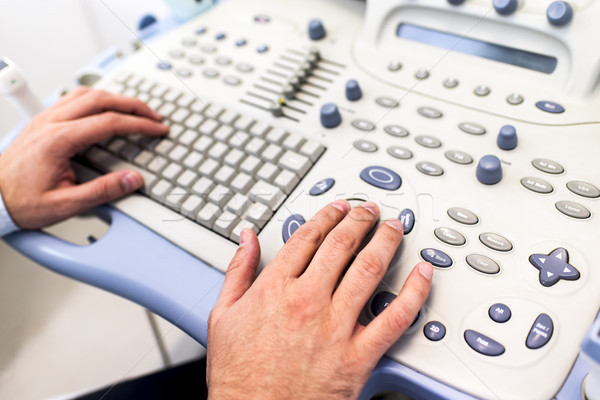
291, 333
36, 179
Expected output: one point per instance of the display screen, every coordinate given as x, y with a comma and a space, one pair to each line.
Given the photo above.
491, 51
3, 65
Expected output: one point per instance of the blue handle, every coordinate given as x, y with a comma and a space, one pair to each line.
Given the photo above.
133, 262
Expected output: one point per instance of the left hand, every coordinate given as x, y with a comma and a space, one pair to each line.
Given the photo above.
36, 179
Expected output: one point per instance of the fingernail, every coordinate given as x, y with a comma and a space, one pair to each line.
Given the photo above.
370, 206
243, 237
395, 223
426, 270
132, 181
341, 205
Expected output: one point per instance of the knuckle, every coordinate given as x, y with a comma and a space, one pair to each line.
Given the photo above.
102, 191
400, 320
362, 214
342, 240
309, 234
370, 266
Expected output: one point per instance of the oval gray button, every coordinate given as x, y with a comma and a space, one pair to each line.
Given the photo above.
363, 125
471, 128
177, 54
583, 189
232, 80
429, 168
399, 152
365, 145
573, 210
245, 68
196, 60
396, 130
537, 185
450, 236
495, 241
210, 73
483, 264
387, 102
463, 216
222, 60
422, 73
451, 83
459, 157
395, 66
548, 166
428, 141
430, 112
482, 90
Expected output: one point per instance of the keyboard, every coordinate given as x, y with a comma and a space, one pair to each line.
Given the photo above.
278, 108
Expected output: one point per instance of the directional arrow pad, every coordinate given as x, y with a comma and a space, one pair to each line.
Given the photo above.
554, 267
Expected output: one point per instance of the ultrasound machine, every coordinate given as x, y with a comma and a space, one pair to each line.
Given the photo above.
476, 122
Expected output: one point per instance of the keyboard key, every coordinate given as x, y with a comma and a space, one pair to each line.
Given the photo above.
250, 165
188, 137
259, 128
192, 160
255, 146
203, 144
293, 142
166, 109
178, 153
225, 223
180, 115
243, 123
129, 151
223, 133
164, 147
286, 181
267, 194
237, 204
276, 136
267, 172
242, 183
143, 158
228, 116
239, 140
218, 151
172, 171
191, 205
193, 121
312, 149
208, 167
234, 158
161, 189
186, 179
199, 106
225, 174
171, 95
213, 111
208, 215
116, 145
258, 214
175, 131
220, 195
295, 162
272, 153
237, 231
176, 197
203, 186
208, 126
186, 99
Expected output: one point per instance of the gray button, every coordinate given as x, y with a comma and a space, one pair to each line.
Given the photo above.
396, 130
583, 189
196, 60
451, 83
472, 128
245, 68
395, 66
548, 166
450, 236
430, 112
537, 185
514, 99
428, 141
483, 264
183, 72
232, 80
459, 157
363, 125
399, 152
422, 73
495, 241
222, 60
482, 90
572, 209
365, 145
387, 102
208, 48
177, 54
463, 216
210, 73
189, 42
429, 168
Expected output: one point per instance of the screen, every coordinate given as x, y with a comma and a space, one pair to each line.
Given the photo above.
3, 65
491, 51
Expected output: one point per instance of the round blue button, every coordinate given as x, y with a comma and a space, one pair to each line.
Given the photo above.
316, 30
505, 7
559, 13
434, 331
499, 312
507, 137
330, 115
489, 170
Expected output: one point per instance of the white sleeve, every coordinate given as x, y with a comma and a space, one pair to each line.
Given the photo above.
6, 223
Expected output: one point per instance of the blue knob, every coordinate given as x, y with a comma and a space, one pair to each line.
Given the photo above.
559, 13
330, 115
316, 30
507, 137
146, 21
353, 91
505, 7
489, 170
456, 2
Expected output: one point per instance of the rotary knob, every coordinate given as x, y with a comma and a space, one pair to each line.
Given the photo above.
489, 170
353, 90
505, 7
330, 115
507, 137
316, 30
559, 13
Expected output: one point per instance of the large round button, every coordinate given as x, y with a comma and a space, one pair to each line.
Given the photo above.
507, 137
505, 7
353, 91
316, 30
559, 13
489, 170
330, 115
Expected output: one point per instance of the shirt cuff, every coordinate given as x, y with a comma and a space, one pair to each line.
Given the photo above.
6, 223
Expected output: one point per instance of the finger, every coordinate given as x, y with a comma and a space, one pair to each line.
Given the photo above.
73, 200
387, 327
242, 269
72, 95
98, 101
340, 246
89, 130
302, 245
367, 270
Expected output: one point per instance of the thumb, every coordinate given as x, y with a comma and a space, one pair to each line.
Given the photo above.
241, 270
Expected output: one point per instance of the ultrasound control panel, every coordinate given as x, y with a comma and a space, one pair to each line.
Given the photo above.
476, 123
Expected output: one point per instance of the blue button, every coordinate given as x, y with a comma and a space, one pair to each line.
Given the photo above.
483, 344
499, 312
201, 31
262, 19
505, 7
489, 170
353, 90
550, 106
554, 267
240, 42
381, 177
434, 331
381, 301
540, 332
407, 217
456, 2
316, 30
330, 115
507, 137
262, 48
164, 65
220, 36
559, 13
436, 257
290, 225
322, 186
